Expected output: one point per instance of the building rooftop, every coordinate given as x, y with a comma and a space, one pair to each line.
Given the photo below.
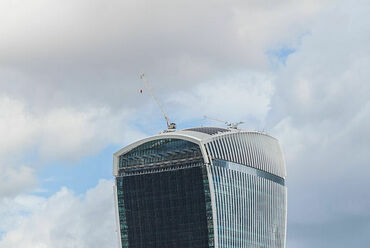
208, 130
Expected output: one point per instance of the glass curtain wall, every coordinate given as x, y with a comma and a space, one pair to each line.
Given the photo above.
250, 206
163, 196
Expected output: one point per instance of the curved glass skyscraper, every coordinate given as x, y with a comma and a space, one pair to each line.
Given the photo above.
201, 187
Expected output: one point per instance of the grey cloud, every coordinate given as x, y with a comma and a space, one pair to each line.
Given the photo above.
322, 100
85, 52
327, 234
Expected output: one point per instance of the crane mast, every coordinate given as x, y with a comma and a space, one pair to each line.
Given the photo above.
170, 125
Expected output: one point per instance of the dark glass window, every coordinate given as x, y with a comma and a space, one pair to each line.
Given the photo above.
163, 196
164, 210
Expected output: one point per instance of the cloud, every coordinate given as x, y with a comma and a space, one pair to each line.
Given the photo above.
15, 210
73, 134
320, 112
242, 97
70, 85
30, 139
63, 220
16, 180
90, 53
16, 126
62, 133
129, 24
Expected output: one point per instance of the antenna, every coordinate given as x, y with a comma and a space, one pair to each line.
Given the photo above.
229, 124
170, 125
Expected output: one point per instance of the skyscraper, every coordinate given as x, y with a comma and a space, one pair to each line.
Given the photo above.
201, 187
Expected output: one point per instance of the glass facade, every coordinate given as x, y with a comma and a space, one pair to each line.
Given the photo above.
157, 153
227, 192
165, 209
250, 206
163, 196
249, 170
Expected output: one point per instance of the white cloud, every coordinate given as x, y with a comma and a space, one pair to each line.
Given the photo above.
30, 138
64, 220
14, 180
62, 133
17, 127
73, 134
243, 97
15, 210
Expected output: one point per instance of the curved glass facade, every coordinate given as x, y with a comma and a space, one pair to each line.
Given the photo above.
250, 206
169, 196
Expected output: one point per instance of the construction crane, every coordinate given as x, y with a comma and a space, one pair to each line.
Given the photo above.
170, 125
229, 124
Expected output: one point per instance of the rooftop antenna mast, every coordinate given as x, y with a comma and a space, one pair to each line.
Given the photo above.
229, 124
170, 125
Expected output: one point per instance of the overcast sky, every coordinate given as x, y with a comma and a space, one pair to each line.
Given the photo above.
70, 97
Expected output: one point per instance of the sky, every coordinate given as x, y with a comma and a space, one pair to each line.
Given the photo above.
70, 97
